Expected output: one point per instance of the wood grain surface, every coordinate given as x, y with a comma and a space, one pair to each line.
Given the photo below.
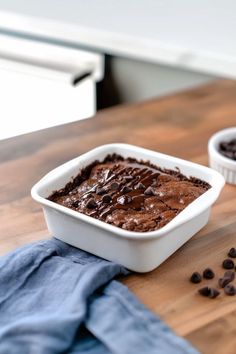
179, 125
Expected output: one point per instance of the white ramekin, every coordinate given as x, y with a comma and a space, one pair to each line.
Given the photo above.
220, 163
137, 251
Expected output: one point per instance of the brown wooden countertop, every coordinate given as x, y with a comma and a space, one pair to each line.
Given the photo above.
178, 125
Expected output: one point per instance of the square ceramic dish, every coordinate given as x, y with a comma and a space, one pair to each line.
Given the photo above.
141, 252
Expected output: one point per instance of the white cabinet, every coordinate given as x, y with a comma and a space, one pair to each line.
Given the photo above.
43, 85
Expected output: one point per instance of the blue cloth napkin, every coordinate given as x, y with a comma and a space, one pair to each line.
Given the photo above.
55, 298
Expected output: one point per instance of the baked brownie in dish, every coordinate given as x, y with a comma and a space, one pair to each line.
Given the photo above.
133, 195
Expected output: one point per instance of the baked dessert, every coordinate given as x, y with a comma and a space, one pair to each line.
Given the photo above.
130, 194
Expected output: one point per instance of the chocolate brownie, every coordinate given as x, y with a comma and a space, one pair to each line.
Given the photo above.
133, 195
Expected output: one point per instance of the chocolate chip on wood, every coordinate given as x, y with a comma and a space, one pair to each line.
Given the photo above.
227, 278
208, 273
209, 292
228, 264
196, 278
230, 290
232, 252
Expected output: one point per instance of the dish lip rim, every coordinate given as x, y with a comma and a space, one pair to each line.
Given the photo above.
212, 147
210, 195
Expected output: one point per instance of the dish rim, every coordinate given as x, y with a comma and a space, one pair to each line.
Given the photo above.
196, 207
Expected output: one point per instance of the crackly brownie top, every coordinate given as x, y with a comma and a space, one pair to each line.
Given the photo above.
134, 195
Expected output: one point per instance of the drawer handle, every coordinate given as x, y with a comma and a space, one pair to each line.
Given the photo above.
81, 77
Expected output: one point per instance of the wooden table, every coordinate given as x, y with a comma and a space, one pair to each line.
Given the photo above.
179, 125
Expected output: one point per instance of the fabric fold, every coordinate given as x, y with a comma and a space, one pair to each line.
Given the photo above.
144, 329
55, 298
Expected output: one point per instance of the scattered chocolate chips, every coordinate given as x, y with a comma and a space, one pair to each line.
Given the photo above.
227, 278
230, 290
223, 282
106, 198
208, 273
232, 252
126, 189
196, 278
91, 203
100, 190
149, 191
115, 186
140, 185
228, 264
124, 199
209, 292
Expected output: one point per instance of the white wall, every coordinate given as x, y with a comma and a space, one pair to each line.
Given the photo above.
195, 35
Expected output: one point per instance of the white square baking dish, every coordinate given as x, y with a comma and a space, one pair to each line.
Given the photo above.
141, 252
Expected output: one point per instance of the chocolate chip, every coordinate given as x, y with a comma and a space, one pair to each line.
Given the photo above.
115, 186
204, 291
227, 278
230, 290
208, 273
223, 282
232, 252
196, 278
149, 191
106, 198
100, 190
124, 199
126, 189
91, 203
140, 186
209, 292
228, 264
213, 293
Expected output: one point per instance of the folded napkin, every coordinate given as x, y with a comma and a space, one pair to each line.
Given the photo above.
55, 298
